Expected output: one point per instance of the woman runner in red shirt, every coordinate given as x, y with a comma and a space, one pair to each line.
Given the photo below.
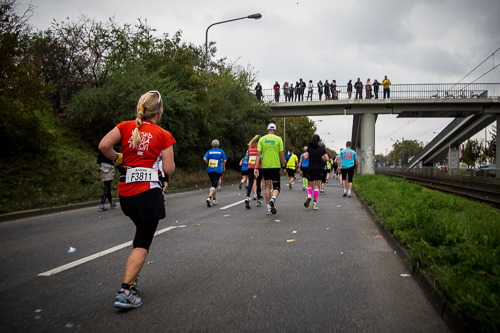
144, 144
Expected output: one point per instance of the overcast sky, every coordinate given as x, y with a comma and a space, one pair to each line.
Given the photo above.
424, 41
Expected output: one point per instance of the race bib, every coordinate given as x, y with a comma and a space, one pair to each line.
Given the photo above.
213, 163
141, 175
252, 159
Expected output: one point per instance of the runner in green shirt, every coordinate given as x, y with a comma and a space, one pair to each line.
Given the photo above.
270, 151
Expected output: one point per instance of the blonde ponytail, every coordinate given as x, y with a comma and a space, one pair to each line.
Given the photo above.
148, 107
136, 137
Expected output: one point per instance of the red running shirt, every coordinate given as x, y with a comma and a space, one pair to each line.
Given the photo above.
154, 140
252, 154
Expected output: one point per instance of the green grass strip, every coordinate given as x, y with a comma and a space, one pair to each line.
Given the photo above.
454, 240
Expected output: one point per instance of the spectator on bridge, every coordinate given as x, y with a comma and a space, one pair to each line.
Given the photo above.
376, 84
359, 89
368, 89
326, 87
292, 89
320, 89
286, 91
302, 87
297, 91
276, 88
333, 88
387, 87
258, 91
349, 89
310, 90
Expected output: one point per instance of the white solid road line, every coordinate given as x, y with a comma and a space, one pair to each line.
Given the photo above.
231, 205
97, 255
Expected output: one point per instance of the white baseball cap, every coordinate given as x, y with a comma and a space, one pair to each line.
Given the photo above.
271, 126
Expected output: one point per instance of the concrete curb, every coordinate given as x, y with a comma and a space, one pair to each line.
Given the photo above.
453, 319
57, 209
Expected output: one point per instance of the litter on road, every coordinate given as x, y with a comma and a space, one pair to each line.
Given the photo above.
378, 236
71, 250
195, 225
405, 275
290, 240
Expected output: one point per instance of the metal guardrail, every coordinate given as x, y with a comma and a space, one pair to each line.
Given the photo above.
400, 91
455, 176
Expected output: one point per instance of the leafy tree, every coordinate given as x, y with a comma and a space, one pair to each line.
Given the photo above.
198, 106
22, 91
298, 132
81, 53
404, 150
381, 159
471, 152
491, 150
19, 67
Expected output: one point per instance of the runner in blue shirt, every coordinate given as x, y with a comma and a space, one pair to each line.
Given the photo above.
349, 165
216, 164
303, 164
244, 172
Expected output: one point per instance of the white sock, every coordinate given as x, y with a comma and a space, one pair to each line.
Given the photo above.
349, 192
345, 190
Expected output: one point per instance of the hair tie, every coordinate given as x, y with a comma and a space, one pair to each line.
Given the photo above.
141, 109
139, 117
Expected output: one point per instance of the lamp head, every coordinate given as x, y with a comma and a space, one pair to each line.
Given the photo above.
255, 16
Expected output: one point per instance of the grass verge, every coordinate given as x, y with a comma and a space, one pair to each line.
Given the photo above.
456, 241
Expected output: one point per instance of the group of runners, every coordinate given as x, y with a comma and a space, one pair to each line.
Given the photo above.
265, 159
147, 159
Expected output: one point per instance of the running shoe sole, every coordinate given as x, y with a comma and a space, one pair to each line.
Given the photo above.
122, 301
306, 204
209, 204
315, 207
247, 204
273, 208
121, 305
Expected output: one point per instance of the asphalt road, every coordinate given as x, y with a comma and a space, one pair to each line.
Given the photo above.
227, 270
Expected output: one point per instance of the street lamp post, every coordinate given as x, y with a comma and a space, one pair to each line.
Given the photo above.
253, 16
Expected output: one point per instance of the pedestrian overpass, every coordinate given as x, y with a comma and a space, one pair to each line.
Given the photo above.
471, 115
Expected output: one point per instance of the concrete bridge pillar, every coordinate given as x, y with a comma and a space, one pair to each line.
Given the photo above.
497, 161
366, 155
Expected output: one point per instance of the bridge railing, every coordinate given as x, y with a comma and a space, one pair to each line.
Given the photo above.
398, 91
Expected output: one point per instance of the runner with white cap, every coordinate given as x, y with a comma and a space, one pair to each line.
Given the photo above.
270, 151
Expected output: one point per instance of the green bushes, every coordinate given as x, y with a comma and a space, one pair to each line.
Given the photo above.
65, 172
456, 241
20, 130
